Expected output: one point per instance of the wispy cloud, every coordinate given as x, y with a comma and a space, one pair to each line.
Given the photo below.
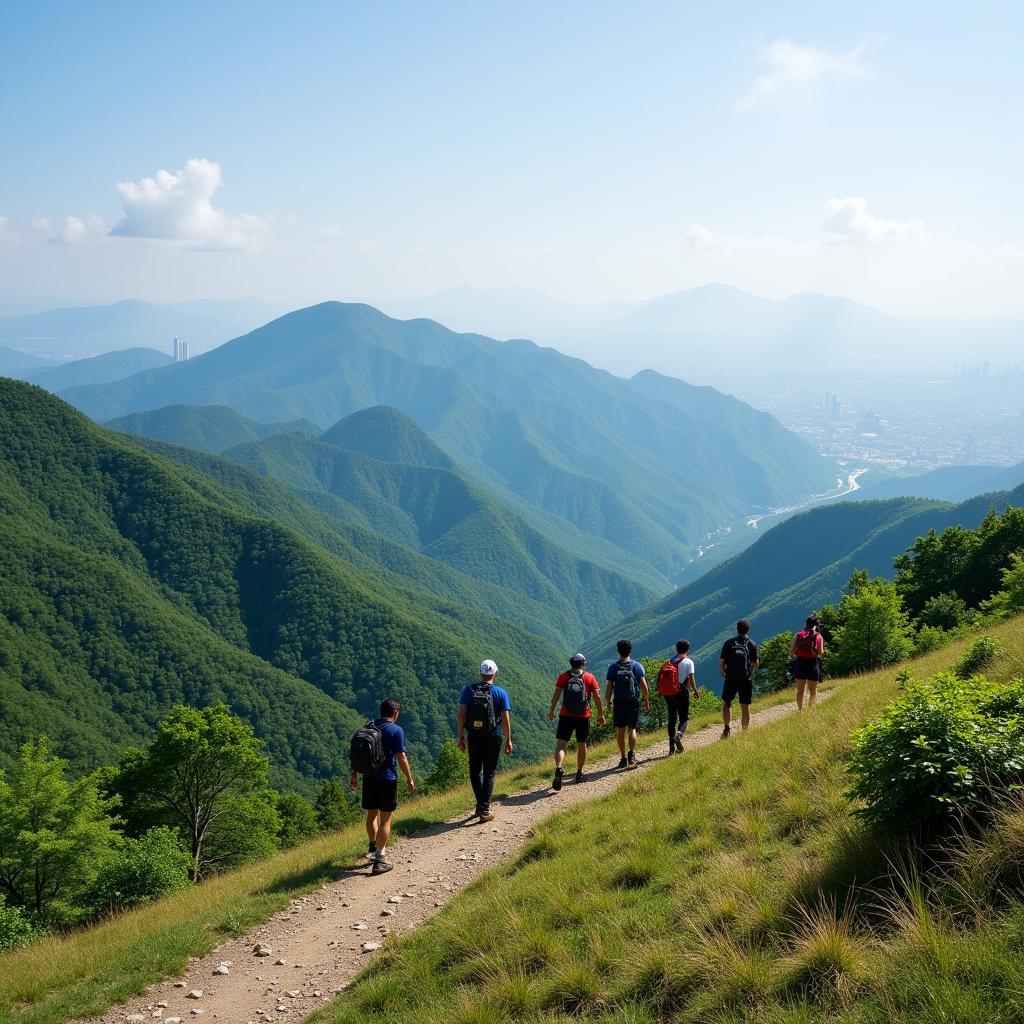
794, 68
7, 234
847, 222
178, 207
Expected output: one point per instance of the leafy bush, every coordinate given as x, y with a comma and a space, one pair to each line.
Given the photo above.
930, 638
774, 657
978, 656
298, 820
945, 611
450, 770
15, 929
334, 808
142, 870
949, 746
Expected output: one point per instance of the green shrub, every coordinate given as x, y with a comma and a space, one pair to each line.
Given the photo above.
949, 746
978, 656
930, 638
142, 870
298, 820
15, 929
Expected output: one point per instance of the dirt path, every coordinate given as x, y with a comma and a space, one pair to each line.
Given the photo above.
316, 943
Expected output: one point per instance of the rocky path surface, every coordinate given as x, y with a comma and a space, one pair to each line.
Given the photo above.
306, 954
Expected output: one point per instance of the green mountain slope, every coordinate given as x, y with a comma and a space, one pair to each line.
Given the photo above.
442, 514
207, 428
126, 589
389, 435
793, 569
573, 443
99, 369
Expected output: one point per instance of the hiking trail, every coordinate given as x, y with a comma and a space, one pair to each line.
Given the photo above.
316, 942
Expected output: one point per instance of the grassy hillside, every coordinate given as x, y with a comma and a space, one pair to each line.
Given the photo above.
573, 442
207, 428
729, 885
795, 568
125, 590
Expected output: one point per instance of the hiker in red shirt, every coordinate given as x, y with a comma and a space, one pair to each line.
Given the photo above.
576, 689
807, 649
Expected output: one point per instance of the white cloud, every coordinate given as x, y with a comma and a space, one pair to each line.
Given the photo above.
178, 208
794, 68
847, 222
7, 234
369, 247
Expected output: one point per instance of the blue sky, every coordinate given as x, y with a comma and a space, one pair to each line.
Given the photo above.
584, 149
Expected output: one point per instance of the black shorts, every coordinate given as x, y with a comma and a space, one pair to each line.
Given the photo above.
379, 794
568, 725
742, 688
626, 714
807, 668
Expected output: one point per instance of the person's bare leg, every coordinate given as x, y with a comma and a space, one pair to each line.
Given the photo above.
384, 831
581, 756
800, 694
620, 738
812, 688
632, 739
559, 752
726, 714
371, 825
745, 716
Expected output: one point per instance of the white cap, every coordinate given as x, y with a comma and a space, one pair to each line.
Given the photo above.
488, 668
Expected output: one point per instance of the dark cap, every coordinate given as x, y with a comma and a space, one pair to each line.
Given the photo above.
578, 659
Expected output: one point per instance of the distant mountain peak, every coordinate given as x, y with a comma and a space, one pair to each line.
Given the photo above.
388, 434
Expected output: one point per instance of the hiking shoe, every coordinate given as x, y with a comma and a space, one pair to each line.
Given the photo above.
678, 742
487, 816
631, 760
556, 782
580, 777
623, 762
371, 852
725, 733
380, 866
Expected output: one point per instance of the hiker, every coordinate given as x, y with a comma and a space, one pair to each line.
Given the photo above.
378, 750
626, 683
737, 663
484, 715
675, 683
807, 650
576, 688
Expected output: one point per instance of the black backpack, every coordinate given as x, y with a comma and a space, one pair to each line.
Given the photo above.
366, 752
625, 682
575, 700
737, 658
480, 717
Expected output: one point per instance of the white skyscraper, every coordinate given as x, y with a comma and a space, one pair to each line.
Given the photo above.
181, 352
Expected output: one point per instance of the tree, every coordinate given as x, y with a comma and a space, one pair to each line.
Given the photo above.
945, 611
334, 810
55, 835
873, 630
1009, 600
298, 820
204, 773
450, 769
142, 869
773, 655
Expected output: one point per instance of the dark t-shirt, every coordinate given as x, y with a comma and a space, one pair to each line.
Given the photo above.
394, 744
638, 674
730, 671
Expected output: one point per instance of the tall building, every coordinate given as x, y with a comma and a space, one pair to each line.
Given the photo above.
181, 352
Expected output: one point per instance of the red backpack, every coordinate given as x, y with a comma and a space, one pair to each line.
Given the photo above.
668, 678
807, 643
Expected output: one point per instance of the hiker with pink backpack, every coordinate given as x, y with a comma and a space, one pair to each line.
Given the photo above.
807, 650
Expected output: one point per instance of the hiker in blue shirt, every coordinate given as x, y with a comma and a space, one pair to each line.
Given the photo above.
380, 788
484, 716
626, 684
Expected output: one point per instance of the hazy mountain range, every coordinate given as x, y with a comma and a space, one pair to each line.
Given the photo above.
584, 453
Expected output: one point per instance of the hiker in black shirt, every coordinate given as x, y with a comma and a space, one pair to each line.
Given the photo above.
737, 663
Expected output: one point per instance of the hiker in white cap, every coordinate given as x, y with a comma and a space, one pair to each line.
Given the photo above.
484, 717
